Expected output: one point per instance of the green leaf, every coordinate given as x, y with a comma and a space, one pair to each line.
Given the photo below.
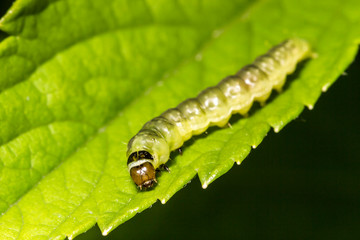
79, 79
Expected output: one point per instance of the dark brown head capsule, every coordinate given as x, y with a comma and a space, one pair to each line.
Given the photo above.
142, 170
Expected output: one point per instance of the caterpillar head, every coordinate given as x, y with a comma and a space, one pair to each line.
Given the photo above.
141, 169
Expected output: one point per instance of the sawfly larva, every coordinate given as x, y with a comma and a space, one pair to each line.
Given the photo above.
150, 148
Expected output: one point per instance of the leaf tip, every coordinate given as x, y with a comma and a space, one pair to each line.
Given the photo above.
106, 231
276, 129
325, 87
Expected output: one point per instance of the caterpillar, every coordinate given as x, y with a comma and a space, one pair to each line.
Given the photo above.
150, 148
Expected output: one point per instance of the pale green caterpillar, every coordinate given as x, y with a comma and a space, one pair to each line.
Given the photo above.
151, 146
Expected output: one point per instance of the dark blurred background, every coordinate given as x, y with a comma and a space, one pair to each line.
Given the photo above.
4, 6
301, 183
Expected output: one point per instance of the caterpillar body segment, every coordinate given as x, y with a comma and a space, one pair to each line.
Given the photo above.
151, 146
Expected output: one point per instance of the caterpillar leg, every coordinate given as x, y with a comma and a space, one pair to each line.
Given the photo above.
180, 151
163, 167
